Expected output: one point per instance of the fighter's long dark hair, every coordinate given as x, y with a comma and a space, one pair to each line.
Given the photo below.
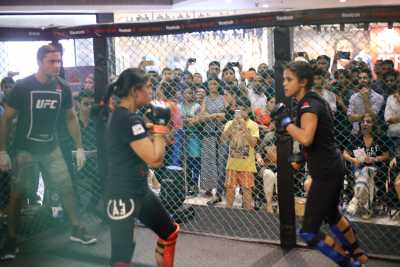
132, 78
303, 71
129, 79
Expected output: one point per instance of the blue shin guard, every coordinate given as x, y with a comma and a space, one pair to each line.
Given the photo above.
339, 230
317, 241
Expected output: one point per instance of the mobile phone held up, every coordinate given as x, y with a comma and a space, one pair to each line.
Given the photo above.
300, 54
191, 60
233, 64
343, 55
238, 113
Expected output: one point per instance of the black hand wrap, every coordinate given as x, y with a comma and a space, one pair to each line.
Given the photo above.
159, 114
297, 160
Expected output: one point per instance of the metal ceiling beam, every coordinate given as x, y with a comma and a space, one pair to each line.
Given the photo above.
86, 2
178, 1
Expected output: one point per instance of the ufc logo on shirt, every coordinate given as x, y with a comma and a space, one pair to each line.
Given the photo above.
45, 107
46, 103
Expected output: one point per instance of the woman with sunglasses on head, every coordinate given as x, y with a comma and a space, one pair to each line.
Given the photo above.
314, 130
131, 150
367, 152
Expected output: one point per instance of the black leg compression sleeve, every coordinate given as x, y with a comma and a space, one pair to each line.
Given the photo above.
122, 210
154, 216
322, 203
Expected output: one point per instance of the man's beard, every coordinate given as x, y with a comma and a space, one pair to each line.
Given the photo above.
212, 76
365, 84
391, 87
51, 77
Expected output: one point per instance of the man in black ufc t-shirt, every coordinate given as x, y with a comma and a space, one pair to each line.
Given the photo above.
39, 107
40, 100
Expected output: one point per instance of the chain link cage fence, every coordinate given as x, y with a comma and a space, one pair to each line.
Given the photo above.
189, 70
343, 52
214, 78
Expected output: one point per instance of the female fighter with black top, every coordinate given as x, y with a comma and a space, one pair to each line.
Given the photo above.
315, 131
131, 148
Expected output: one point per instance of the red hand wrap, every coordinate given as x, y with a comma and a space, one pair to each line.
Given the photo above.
160, 129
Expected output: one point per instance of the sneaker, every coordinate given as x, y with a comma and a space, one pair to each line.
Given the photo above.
366, 215
396, 216
80, 235
257, 204
192, 191
356, 264
352, 207
3, 215
208, 193
10, 250
269, 208
214, 200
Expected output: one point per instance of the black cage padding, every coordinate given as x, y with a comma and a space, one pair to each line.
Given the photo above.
303, 17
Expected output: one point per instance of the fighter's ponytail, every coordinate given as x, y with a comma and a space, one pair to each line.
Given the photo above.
131, 78
109, 92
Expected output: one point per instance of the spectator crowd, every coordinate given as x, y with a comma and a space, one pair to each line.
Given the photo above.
222, 127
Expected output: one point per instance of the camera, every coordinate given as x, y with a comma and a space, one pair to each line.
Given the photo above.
238, 113
233, 64
300, 54
191, 60
344, 55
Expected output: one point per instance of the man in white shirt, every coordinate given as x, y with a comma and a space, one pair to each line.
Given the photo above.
256, 94
364, 101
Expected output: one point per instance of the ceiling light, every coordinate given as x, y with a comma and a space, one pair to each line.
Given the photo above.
342, 1
265, 6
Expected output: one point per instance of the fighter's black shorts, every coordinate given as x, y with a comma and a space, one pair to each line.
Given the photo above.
322, 201
122, 209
